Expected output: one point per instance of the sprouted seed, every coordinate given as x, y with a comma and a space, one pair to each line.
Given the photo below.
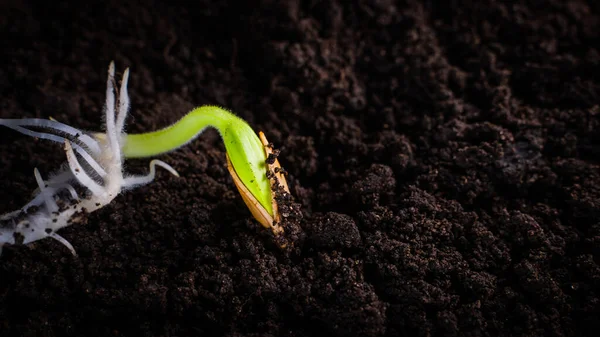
250, 159
94, 163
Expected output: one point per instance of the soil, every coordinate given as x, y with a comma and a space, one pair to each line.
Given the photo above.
443, 161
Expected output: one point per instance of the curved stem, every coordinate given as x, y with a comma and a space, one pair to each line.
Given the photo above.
177, 135
242, 144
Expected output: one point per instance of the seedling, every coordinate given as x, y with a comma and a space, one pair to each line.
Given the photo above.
94, 161
251, 162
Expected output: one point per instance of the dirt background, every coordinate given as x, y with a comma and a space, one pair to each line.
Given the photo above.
444, 157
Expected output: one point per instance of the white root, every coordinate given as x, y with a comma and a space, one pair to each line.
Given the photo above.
47, 212
57, 127
64, 242
51, 190
79, 173
134, 181
44, 192
123, 102
59, 139
111, 132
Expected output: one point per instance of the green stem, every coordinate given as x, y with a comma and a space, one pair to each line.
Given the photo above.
177, 135
243, 146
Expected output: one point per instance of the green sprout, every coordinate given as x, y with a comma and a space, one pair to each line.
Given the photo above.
251, 161
247, 156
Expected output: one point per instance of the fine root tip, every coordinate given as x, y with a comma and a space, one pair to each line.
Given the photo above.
125, 79
111, 68
64, 242
165, 166
38, 179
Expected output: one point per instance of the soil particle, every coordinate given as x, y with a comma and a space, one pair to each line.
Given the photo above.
333, 230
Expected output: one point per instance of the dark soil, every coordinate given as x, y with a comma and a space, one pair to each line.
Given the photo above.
445, 159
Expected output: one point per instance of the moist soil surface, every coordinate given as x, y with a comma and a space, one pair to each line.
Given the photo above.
443, 160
